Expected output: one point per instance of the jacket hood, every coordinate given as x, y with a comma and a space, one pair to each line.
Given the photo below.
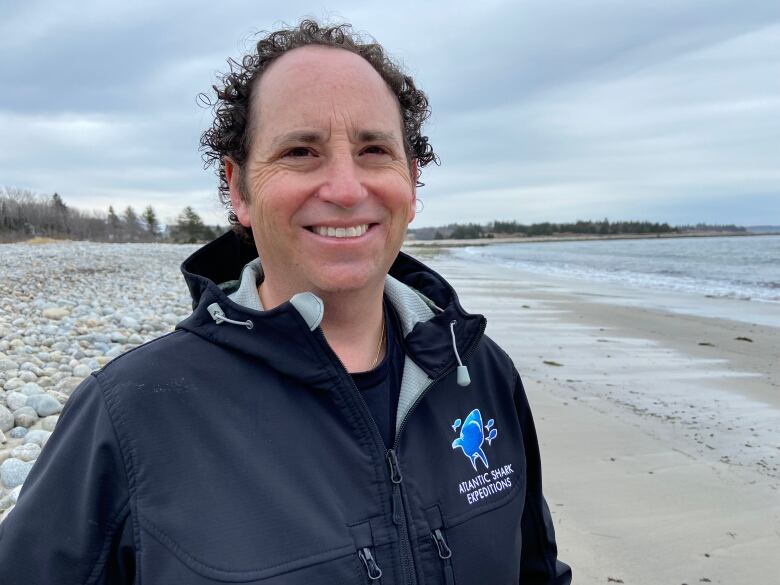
276, 334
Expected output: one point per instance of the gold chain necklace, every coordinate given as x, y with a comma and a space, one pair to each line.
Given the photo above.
379, 347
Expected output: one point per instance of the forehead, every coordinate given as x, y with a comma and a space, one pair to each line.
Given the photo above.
319, 86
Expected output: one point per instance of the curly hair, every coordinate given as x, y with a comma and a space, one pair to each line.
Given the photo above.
230, 131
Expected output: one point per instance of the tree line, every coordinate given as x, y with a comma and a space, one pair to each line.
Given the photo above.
25, 214
468, 231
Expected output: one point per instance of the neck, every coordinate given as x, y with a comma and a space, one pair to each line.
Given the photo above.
352, 323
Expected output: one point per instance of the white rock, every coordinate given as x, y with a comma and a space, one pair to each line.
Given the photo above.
37, 436
15, 400
28, 452
28, 376
8, 364
55, 313
6, 419
13, 472
31, 389
50, 422
25, 416
13, 384
81, 371
44, 404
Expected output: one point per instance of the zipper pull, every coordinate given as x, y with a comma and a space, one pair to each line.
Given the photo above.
395, 471
441, 544
374, 572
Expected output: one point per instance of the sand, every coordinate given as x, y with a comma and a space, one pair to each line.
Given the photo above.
659, 429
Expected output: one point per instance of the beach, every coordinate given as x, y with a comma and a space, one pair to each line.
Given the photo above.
658, 411
659, 422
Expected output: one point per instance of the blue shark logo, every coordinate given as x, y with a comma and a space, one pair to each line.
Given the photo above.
473, 435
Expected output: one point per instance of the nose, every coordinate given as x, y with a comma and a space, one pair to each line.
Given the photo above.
342, 185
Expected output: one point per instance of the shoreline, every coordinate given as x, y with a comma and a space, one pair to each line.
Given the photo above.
659, 431
450, 243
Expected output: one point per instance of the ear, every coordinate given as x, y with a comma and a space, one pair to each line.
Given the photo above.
413, 203
240, 205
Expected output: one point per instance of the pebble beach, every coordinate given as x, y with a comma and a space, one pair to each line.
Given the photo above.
66, 309
658, 413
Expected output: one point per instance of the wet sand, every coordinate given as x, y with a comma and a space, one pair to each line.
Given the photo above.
659, 428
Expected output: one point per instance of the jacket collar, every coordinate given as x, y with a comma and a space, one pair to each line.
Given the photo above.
425, 302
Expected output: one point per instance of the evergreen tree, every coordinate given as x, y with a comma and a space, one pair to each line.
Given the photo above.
132, 226
150, 220
189, 228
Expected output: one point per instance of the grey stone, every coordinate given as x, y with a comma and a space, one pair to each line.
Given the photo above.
6, 502
13, 472
68, 385
28, 376
13, 384
44, 405
114, 352
130, 323
28, 452
18, 432
55, 313
2, 438
37, 436
81, 371
31, 389
25, 416
7, 364
50, 422
15, 400
6, 419
60, 397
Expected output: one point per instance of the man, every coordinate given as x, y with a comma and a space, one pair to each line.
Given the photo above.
328, 413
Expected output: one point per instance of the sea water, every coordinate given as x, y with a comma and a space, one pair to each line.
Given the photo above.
739, 267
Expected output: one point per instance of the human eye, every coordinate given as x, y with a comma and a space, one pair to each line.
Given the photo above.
376, 149
298, 152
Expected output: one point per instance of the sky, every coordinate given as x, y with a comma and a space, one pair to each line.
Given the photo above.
541, 111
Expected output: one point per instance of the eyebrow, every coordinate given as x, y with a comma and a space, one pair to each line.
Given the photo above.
315, 137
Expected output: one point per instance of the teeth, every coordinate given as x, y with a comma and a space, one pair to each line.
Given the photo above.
349, 232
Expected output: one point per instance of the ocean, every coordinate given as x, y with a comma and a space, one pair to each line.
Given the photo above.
746, 267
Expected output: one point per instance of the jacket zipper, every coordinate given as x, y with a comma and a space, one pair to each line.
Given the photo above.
445, 554
399, 511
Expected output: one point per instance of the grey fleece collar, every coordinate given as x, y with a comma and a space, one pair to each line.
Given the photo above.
410, 305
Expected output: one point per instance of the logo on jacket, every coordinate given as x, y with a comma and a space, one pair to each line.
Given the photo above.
473, 435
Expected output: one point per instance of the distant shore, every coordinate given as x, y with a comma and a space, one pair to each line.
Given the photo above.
452, 243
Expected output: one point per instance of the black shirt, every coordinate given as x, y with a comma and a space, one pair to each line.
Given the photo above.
380, 387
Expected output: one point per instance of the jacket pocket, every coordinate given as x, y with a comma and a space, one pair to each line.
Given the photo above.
365, 550
437, 534
481, 546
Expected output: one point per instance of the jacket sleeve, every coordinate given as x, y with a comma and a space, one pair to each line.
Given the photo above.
539, 564
71, 522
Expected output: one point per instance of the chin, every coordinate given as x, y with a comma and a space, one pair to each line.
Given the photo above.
341, 280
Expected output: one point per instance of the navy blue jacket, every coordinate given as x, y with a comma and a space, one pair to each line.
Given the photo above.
241, 452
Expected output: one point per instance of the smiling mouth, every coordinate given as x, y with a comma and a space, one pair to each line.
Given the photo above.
354, 231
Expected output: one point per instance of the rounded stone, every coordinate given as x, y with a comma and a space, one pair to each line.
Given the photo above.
13, 384
37, 436
81, 371
15, 400
28, 452
25, 416
7, 365
50, 422
31, 389
6, 419
28, 376
18, 432
14, 471
55, 313
44, 404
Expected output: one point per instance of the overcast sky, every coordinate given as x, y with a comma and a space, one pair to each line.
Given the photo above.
542, 111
